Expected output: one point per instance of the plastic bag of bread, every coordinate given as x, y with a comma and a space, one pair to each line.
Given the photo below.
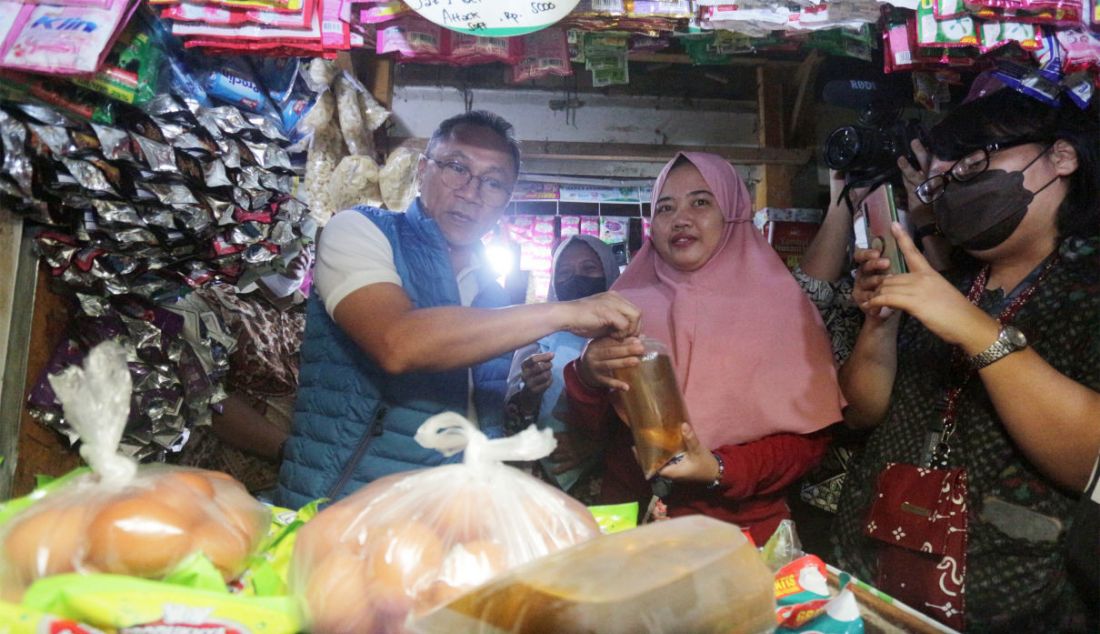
411, 541
120, 518
689, 574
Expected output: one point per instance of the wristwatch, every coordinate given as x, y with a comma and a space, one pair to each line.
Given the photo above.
1009, 340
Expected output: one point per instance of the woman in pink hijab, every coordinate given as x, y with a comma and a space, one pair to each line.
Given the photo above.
751, 355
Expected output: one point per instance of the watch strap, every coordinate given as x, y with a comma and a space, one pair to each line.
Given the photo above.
998, 350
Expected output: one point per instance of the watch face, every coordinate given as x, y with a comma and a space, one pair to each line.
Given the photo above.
1015, 337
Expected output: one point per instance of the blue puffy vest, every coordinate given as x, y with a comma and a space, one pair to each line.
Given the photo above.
353, 423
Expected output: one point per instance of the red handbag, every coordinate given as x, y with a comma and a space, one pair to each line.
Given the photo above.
919, 518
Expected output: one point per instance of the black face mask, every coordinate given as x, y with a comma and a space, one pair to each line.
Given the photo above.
983, 212
579, 286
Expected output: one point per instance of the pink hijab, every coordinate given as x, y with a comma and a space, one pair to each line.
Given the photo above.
751, 353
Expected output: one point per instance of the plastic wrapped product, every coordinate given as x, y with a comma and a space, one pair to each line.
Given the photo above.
654, 407
355, 182
398, 179
64, 39
120, 518
320, 74
325, 152
320, 114
689, 574
545, 53
350, 115
412, 541
374, 113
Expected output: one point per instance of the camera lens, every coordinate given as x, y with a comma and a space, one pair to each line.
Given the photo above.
842, 147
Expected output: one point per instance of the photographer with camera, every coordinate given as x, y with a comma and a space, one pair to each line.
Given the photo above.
980, 385
878, 149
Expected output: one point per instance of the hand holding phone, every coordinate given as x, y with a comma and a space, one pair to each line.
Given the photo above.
879, 212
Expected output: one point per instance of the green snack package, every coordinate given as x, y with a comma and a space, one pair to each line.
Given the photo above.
16, 619
45, 484
131, 71
615, 518
948, 33
267, 574
112, 602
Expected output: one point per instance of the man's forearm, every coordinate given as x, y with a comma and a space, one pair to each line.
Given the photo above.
445, 338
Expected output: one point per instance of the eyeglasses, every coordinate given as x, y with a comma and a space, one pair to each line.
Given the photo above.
493, 191
965, 169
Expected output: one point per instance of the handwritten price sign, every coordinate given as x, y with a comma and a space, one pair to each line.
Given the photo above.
493, 18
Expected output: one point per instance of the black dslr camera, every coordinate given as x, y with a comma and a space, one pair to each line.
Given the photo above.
867, 150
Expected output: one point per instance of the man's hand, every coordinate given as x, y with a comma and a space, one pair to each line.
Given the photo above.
601, 357
602, 314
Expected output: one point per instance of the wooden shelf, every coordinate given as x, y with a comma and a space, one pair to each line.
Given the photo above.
574, 151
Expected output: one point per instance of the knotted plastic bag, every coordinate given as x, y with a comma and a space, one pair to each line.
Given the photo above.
411, 541
121, 518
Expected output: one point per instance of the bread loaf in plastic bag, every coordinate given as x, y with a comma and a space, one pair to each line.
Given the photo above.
408, 542
123, 518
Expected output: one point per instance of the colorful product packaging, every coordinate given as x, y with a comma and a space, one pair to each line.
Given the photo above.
614, 228
545, 53
570, 226
590, 226
64, 39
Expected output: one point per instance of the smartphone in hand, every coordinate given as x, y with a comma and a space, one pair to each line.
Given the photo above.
878, 212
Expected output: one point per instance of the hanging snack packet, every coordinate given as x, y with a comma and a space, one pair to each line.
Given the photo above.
397, 178
414, 39
997, 34
411, 541
943, 33
233, 82
131, 72
350, 115
1080, 50
545, 53
355, 182
64, 39
467, 50
120, 518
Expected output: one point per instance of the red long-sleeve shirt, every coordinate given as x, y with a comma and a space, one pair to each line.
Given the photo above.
752, 493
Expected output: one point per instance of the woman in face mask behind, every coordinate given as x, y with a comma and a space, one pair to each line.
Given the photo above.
583, 266
981, 384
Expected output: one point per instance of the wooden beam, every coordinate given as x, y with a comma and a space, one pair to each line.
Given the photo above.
681, 58
379, 73
774, 188
636, 152
41, 450
769, 99
801, 132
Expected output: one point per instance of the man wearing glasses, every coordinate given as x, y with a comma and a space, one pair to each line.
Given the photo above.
407, 323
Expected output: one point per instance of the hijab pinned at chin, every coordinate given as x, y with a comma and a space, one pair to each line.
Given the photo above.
752, 355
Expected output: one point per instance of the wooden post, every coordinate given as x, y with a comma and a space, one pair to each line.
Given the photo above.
41, 450
774, 188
